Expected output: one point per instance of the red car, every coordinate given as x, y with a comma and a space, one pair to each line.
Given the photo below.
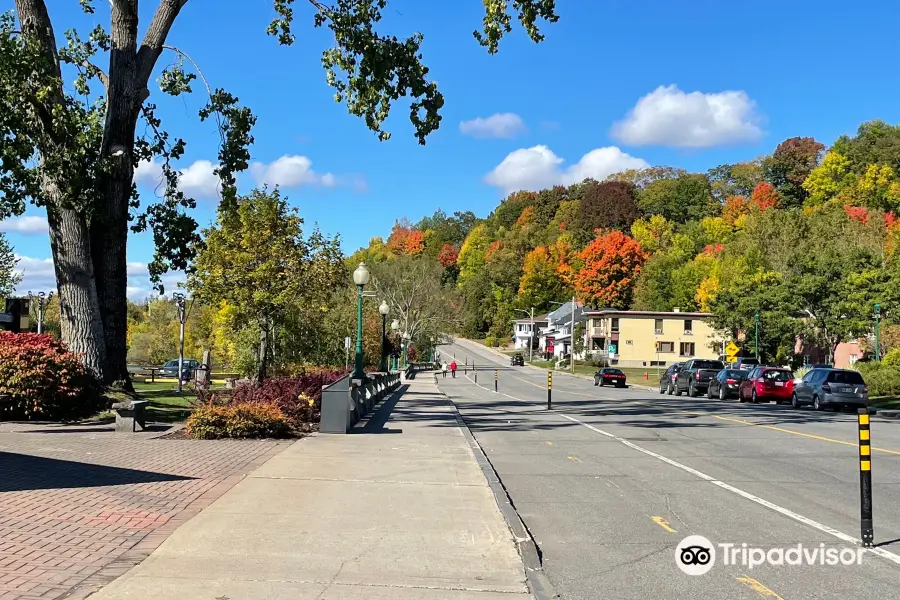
765, 384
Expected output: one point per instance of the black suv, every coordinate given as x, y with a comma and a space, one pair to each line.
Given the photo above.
517, 360
667, 380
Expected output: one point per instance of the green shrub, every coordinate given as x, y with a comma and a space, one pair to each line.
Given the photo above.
491, 342
45, 380
882, 379
237, 421
892, 358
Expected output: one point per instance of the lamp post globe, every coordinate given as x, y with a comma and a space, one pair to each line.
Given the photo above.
360, 278
361, 275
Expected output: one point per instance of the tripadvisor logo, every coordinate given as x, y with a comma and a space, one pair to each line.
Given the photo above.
696, 555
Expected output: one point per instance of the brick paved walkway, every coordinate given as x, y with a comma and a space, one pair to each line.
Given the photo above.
80, 507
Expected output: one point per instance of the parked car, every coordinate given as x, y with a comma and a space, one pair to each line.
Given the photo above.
667, 379
609, 376
170, 369
743, 363
726, 383
694, 378
517, 360
765, 384
829, 387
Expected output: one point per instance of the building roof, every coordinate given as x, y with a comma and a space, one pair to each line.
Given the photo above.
538, 319
565, 312
646, 313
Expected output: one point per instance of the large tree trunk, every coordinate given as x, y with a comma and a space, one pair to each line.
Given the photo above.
79, 311
263, 350
129, 70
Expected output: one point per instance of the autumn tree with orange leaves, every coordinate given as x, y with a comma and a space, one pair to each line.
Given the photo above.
612, 263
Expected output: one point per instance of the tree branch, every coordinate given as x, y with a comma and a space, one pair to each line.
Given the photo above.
97, 72
152, 45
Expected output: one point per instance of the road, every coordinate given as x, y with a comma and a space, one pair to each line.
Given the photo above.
611, 480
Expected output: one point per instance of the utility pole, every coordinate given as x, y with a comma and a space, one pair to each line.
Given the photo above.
531, 337
572, 336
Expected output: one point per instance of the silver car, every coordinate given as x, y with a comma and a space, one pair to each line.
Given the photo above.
833, 388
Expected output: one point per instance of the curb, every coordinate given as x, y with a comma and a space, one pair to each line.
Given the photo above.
538, 584
889, 414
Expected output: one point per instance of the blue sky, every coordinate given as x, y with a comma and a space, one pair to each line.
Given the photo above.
615, 84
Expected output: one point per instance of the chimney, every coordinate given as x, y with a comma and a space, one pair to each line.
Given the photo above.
676, 309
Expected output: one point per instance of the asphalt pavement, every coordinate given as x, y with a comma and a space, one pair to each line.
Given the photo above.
610, 481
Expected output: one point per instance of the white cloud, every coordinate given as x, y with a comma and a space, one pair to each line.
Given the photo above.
293, 171
668, 116
37, 275
25, 225
197, 180
500, 125
538, 167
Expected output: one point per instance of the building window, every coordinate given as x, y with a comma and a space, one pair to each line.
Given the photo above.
658, 326
615, 324
688, 327
666, 347
687, 348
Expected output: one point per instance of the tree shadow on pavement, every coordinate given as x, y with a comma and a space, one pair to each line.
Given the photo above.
23, 472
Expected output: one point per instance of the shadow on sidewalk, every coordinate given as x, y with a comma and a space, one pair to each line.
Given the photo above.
23, 472
375, 423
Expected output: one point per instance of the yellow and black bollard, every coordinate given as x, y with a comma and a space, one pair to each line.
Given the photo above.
495, 381
865, 478
549, 390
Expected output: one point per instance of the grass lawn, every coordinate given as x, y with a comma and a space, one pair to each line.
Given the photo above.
165, 403
885, 402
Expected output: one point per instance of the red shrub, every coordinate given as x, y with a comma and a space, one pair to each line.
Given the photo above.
44, 379
298, 397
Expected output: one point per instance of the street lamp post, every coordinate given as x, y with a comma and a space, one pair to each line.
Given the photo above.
182, 319
384, 309
361, 279
43, 300
395, 327
877, 345
756, 333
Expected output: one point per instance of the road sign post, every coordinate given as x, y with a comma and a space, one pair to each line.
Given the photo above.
865, 478
549, 390
495, 381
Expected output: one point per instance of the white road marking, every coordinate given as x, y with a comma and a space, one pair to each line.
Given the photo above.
890, 556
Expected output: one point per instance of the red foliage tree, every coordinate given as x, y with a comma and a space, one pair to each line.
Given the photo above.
857, 213
414, 244
612, 263
448, 256
397, 241
734, 208
764, 196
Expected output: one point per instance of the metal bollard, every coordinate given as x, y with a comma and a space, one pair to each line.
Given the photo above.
865, 478
549, 390
495, 381
475, 370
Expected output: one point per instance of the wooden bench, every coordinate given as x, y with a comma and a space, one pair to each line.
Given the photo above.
130, 415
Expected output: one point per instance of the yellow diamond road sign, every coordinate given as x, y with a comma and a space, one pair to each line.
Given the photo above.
731, 349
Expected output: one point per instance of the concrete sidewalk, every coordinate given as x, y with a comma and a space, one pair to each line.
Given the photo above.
398, 510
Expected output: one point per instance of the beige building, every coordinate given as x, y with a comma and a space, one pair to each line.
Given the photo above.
628, 338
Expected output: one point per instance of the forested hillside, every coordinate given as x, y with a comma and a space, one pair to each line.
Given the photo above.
806, 236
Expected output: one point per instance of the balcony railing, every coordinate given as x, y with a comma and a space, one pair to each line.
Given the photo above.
598, 331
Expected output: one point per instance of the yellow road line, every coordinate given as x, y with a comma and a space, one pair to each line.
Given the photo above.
574, 458
663, 523
800, 433
549, 443
759, 588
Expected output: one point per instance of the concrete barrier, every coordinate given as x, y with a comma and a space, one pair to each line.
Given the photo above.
348, 400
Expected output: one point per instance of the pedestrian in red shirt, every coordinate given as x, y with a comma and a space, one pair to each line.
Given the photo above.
453, 369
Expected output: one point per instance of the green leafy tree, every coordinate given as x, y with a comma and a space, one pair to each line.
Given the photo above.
81, 122
684, 199
264, 282
790, 165
735, 180
9, 278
